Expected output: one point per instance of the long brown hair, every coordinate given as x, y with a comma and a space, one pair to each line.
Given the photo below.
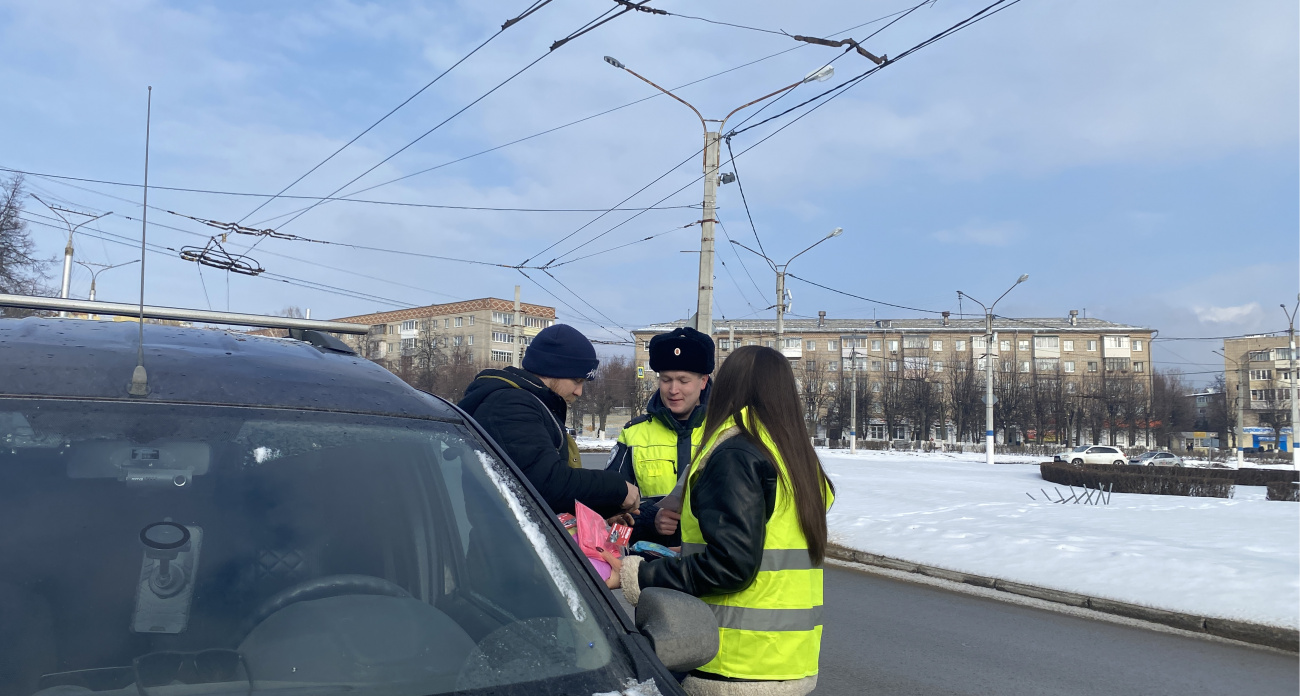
761, 379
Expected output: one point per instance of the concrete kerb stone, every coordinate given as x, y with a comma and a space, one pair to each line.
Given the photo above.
1244, 631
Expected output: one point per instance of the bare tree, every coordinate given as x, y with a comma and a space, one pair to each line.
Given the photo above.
611, 388
21, 272
963, 395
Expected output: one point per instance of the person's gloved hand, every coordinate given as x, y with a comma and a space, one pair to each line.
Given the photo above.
666, 521
623, 519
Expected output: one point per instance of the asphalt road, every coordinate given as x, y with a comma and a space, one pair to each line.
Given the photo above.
886, 636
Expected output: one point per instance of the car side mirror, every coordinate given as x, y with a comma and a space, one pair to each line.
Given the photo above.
681, 628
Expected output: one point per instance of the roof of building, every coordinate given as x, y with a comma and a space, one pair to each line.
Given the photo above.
953, 325
75, 358
437, 310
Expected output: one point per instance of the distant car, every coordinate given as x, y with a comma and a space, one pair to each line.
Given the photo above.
1157, 459
1092, 454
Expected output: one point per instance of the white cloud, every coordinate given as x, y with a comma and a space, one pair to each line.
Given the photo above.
1227, 315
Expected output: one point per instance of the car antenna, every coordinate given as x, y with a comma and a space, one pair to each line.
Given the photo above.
139, 378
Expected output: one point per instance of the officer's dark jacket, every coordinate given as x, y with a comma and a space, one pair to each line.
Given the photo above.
528, 424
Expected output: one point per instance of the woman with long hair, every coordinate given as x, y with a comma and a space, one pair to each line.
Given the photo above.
753, 525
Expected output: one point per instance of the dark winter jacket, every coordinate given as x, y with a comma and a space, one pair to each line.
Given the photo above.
620, 460
526, 418
733, 499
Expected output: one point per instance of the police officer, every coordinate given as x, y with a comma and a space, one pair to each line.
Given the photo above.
655, 448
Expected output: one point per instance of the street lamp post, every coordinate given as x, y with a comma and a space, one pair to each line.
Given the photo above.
780, 269
989, 338
1295, 405
712, 138
1241, 405
67, 249
97, 268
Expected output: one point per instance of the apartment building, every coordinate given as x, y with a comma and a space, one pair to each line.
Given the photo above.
1258, 371
1077, 353
482, 329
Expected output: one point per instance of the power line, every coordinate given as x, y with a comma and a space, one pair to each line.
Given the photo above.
860, 297
509, 23
583, 30
736, 171
741, 259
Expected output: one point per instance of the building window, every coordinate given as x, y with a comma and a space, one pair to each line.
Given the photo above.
1117, 364
938, 365
1046, 364
1070, 387
1263, 394
751, 342
875, 344
469, 340
502, 356
408, 346
833, 365
1261, 374
1007, 365
537, 322
1067, 366
457, 341
893, 346
1259, 356
893, 366
506, 318
809, 365
875, 387
936, 345
1022, 344
471, 321
876, 432
1051, 342
1067, 346
1139, 367
1137, 345
1116, 341
811, 345
916, 342
770, 344
723, 344
460, 321
411, 325
1092, 366
446, 323
832, 345
959, 345
792, 342
1004, 346
1024, 365
877, 365
502, 337
1092, 345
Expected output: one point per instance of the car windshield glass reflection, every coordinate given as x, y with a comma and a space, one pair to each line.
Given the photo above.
164, 549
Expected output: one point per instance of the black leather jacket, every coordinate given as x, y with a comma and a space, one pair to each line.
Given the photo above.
733, 498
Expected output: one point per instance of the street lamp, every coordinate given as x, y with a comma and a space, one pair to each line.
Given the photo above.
1295, 405
989, 338
1241, 405
67, 250
712, 138
779, 269
97, 268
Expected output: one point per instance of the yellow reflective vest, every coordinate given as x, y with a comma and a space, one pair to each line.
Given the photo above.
771, 630
658, 452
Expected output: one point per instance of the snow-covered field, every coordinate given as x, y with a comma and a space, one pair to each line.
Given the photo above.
1232, 558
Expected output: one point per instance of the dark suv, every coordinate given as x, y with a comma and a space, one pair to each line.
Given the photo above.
282, 516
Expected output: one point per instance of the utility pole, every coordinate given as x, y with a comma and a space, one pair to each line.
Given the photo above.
712, 140
989, 338
68, 250
1295, 405
517, 353
780, 308
1242, 376
780, 269
97, 268
853, 400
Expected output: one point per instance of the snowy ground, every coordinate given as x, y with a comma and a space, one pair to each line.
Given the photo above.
1235, 558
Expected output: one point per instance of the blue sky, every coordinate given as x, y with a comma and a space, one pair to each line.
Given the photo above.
1137, 160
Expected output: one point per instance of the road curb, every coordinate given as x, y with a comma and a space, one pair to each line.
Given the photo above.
1244, 631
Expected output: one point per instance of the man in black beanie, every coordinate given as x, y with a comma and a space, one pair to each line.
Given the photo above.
655, 449
524, 411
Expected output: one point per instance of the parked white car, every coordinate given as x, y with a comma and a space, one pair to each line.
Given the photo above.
1157, 459
1092, 454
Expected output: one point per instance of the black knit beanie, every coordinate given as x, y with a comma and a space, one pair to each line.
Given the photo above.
561, 351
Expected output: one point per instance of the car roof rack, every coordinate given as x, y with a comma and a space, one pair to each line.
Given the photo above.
303, 328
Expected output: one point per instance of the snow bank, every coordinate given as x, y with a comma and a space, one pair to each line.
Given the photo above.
1236, 558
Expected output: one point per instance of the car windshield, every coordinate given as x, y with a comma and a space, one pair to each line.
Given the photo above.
169, 549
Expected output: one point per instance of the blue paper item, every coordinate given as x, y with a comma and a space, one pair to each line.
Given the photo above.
650, 548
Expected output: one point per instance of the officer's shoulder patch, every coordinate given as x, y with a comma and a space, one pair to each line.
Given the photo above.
638, 420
